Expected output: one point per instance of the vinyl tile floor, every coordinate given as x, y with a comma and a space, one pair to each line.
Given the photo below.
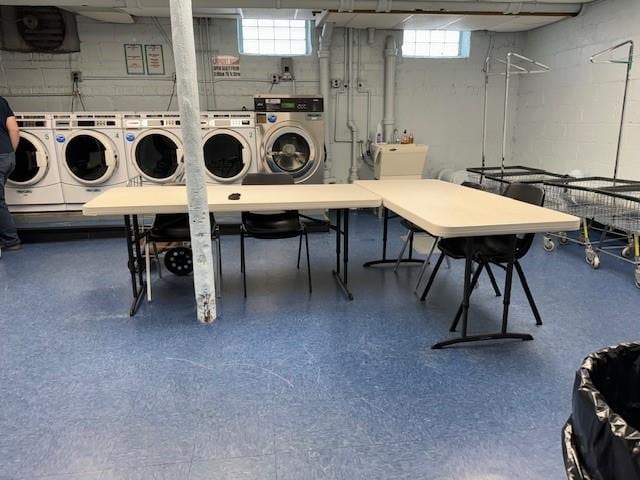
287, 385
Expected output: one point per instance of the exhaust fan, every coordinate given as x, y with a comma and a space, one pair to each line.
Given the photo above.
38, 29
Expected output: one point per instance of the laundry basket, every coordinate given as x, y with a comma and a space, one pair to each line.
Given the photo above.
601, 439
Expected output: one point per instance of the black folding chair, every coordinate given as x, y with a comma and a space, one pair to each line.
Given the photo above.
172, 228
270, 226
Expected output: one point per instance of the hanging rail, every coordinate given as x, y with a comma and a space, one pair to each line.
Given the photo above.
629, 63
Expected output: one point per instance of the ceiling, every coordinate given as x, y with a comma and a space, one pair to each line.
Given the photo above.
465, 15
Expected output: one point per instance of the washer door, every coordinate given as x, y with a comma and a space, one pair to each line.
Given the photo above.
158, 156
290, 149
89, 157
32, 161
227, 155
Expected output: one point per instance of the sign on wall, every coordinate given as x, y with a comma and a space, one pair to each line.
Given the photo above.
134, 58
154, 59
227, 66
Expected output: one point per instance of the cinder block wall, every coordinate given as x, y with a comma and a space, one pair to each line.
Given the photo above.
439, 100
568, 119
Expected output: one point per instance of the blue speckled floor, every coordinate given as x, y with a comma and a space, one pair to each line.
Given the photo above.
285, 385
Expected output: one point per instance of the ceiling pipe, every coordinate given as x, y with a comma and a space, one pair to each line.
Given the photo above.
324, 61
390, 56
371, 36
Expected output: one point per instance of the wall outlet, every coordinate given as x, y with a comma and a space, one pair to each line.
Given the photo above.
361, 84
335, 83
275, 78
76, 77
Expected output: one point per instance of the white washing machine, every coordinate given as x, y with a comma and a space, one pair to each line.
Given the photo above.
91, 159
34, 185
154, 146
229, 146
290, 136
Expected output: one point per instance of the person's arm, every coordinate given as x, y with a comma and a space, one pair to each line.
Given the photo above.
14, 131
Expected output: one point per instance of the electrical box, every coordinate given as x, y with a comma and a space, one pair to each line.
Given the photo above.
286, 68
401, 161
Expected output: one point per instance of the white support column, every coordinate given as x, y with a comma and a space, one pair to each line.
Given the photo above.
184, 53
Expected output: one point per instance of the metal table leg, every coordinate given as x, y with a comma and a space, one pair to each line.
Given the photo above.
503, 334
134, 262
389, 261
342, 247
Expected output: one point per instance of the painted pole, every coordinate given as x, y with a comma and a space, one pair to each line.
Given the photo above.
184, 54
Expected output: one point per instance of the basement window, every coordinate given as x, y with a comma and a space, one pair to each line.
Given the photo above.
274, 37
435, 44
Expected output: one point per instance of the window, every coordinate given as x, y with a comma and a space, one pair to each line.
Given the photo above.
435, 44
274, 37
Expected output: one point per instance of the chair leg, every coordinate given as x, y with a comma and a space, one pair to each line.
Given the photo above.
527, 291
147, 264
218, 271
300, 249
157, 257
242, 264
474, 282
432, 277
404, 247
306, 241
448, 263
493, 280
426, 263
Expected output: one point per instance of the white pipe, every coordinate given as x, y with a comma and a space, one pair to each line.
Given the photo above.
353, 171
184, 54
324, 57
390, 55
371, 36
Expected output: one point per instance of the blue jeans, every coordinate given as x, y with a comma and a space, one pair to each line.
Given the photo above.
8, 231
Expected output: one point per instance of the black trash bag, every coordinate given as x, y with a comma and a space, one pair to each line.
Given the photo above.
601, 440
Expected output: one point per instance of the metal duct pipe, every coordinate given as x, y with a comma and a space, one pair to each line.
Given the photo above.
469, 7
353, 170
324, 56
390, 56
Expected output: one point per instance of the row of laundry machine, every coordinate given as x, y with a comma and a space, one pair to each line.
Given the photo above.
65, 159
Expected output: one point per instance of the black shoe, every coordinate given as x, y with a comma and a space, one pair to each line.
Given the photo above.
17, 245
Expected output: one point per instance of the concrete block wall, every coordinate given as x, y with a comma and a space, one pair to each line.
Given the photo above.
568, 119
439, 100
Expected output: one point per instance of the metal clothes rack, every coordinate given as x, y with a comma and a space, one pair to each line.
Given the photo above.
629, 63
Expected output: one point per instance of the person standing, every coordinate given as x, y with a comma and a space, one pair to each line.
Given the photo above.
9, 138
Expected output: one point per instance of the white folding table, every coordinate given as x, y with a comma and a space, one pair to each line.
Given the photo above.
133, 201
448, 210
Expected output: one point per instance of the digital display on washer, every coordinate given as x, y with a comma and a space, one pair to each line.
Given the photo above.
297, 104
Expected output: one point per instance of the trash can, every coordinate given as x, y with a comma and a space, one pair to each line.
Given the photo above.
601, 439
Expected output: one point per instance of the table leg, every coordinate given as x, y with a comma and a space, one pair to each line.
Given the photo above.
137, 282
503, 334
385, 235
342, 236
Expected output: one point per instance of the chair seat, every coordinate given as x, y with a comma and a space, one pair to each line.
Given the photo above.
411, 226
453, 247
272, 225
172, 227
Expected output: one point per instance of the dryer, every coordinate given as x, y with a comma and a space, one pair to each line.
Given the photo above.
34, 185
154, 146
229, 146
91, 158
290, 136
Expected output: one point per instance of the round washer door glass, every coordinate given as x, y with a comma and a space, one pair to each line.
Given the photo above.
157, 156
291, 153
224, 156
86, 157
27, 168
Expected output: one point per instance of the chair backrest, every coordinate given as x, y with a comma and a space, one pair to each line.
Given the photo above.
175, 226
529, 194
267, 179
475, 185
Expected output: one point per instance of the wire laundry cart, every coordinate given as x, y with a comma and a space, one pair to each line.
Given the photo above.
496, 179
605, 206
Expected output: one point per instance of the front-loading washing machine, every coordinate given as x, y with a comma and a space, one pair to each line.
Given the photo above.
290, 136
154, 146
34, 185
229, 146
91, 158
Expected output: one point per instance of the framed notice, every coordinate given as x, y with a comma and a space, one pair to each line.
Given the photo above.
134, 58
154, 59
